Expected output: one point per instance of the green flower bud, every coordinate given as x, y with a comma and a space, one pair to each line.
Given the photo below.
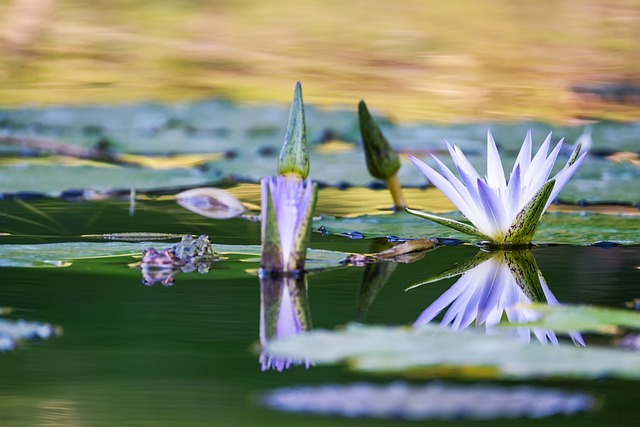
382, 161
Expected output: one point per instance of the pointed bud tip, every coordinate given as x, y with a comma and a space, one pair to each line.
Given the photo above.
294, 156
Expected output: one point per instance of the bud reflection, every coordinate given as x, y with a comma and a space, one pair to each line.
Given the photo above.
284, 312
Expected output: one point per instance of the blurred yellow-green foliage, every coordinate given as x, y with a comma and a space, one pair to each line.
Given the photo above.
413, 59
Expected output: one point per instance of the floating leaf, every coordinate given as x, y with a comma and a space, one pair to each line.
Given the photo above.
417, 352
555, 227
210, 202
59, 254
170, 162
564, 318
431, 401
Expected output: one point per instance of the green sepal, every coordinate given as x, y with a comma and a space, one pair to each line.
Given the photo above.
303, 234
451, 223
574, 155
271, 253
382, 161
524, 226
294, 156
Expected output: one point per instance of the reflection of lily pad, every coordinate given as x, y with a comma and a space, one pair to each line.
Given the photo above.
423, 351
433, 401
12, 331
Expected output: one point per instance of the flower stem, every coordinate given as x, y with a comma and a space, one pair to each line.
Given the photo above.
396, 192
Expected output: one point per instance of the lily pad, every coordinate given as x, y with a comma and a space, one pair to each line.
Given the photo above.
422, 351
555, 227
565, 318
61, 254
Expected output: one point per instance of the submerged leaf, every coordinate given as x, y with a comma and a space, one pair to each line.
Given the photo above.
210, 202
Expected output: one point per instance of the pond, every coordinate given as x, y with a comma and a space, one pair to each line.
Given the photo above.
133, 347
132, 354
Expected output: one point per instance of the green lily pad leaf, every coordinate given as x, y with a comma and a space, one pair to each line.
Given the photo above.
555, 227
53, 178
60, 254
417, 351
566, 318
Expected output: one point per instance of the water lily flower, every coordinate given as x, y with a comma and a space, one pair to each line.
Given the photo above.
288, 200
501, 212
491, 285
287, 213
284, 312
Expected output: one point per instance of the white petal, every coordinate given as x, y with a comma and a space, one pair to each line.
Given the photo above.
442, 302
443, 185
524, 156
512, 204
462, 162
495, 172
537, 178
538, 159
563, 177
492, 292
494, 211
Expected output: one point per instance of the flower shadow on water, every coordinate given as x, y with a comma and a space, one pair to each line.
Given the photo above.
492, 285
284, 312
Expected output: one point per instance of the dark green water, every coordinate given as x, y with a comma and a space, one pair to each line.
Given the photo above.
188, 354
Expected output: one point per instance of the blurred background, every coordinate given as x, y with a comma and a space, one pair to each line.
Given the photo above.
555, 61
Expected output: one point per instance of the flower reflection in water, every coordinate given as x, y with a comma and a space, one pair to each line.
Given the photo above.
493, 284
284, 312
